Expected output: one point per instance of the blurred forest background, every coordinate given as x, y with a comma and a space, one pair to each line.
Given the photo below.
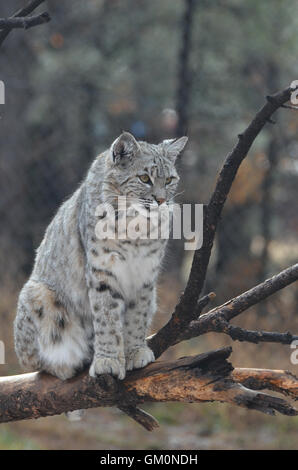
158, 69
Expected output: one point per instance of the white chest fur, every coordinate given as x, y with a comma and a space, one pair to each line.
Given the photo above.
139, 269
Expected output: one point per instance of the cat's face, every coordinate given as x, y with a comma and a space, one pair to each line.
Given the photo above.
142, 171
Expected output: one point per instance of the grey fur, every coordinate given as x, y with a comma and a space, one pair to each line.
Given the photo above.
91, 301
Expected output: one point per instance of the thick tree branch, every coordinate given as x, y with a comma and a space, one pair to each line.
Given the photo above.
202, 378
185, 310
27, 10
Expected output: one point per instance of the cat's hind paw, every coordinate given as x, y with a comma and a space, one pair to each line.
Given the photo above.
107, 365
139, 358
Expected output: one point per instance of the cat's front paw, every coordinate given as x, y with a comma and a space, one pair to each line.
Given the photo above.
139, 358
107, 365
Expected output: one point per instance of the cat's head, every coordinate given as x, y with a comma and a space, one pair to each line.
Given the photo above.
142, 171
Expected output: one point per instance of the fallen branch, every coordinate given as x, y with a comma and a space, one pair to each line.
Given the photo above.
203, 378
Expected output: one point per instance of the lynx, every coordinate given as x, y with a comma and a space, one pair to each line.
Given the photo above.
89, 302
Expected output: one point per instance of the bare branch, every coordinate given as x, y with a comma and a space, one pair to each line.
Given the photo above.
216, 320
202, 378
255, 295
29, 8
251, 336
260, 379
221, 191
140, 416
185, 310
288, 106
26, 22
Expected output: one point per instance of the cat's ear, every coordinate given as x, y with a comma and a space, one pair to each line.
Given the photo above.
125, 148
174, 147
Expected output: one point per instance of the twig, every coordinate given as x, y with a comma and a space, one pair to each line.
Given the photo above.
140, 416
242, 302
29, 8
216, 320
288, 106
251, 336
26, 22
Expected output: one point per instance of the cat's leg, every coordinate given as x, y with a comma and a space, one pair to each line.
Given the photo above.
107, 305
46, 338
25, 339
138, 317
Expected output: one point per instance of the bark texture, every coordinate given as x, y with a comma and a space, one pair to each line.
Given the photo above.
202, 378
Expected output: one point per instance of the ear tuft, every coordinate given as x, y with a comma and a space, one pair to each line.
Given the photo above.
124, 148
174, 147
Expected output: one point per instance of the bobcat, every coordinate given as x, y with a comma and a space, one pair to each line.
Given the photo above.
89, 301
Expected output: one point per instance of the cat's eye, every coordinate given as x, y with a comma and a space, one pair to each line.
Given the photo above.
169, 179
145, 179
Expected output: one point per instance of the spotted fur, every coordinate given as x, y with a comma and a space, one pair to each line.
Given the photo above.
91, 301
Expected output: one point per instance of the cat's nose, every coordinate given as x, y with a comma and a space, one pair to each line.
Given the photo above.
159, 200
